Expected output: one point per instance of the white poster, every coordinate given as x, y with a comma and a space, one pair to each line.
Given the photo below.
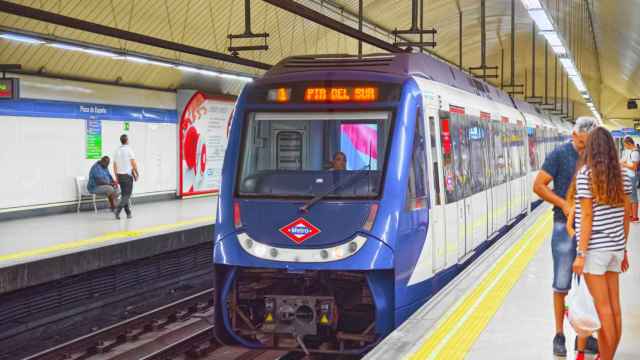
203, 140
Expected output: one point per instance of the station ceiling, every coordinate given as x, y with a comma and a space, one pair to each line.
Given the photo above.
206, 24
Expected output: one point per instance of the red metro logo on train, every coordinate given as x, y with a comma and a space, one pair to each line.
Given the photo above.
299, 230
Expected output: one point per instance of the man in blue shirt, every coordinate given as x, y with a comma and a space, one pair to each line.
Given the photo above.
560, 167
101, 182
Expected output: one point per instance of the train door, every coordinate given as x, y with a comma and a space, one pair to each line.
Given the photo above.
500, 175
437, 209
522, 132
462, 167
477, 196
289, 145
491, 165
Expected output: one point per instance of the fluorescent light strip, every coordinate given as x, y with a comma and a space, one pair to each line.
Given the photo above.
21, 38
83, 49
541, 19
568, 66
531, 4
113, 55
577, 81
552, 38
142, 60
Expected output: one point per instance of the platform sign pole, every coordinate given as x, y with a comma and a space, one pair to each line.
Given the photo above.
93, 139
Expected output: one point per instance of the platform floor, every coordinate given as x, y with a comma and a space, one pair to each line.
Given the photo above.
523, 327
31, 239
501, 307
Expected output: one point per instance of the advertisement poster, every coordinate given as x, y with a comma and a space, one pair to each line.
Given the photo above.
94, 139
203, 140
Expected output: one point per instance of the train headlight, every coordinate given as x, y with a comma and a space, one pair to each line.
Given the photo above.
273, 253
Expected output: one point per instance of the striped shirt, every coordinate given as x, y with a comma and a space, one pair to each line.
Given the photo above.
607, 228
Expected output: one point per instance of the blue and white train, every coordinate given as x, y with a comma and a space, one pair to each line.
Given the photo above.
312, 254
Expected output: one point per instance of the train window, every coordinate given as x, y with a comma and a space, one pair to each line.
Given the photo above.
462, 159
476, 134
291, 154
434, 157
514, 152
533, 156
451, 183
499, 153
418, 186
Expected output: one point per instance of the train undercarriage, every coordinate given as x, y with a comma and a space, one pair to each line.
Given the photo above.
315, 311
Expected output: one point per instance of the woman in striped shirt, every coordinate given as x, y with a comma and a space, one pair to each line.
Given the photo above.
602, 213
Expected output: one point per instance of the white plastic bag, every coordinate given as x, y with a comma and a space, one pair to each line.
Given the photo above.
583, 316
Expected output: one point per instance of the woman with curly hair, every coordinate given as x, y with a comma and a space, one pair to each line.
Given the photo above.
602, 213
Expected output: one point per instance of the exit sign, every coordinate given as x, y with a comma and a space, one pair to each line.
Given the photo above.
9, 89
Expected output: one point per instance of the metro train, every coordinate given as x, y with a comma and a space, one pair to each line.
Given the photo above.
327, 258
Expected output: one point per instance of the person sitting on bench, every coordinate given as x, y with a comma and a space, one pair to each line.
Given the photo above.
101, 182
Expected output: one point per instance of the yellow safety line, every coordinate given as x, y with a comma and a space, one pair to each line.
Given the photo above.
460, 327
116, 235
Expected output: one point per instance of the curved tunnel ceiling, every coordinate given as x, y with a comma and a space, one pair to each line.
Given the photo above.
205, 24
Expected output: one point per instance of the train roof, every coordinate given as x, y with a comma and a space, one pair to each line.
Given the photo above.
396, 64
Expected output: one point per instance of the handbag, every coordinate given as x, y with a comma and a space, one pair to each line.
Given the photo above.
582, 313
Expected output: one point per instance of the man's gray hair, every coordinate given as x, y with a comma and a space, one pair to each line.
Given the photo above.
584, 124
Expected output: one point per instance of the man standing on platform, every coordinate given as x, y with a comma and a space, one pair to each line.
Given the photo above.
126, 170
560, 167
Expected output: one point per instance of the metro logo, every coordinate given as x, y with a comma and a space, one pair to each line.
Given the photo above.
299, 230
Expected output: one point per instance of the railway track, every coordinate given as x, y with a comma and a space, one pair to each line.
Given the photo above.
180, 330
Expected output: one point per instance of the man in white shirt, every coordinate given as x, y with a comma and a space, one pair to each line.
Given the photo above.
126, 170
630, 160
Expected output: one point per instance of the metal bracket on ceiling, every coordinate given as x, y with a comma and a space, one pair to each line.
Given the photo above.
415, 30
248, 34
483, 51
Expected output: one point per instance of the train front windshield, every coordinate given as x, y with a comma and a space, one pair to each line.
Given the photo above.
334, 154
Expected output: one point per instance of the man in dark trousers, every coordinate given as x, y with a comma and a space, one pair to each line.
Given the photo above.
560, 167
126, 169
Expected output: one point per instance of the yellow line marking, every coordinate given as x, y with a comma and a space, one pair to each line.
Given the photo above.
460, 327
116, 235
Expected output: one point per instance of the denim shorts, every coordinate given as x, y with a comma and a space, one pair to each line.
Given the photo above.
563, 249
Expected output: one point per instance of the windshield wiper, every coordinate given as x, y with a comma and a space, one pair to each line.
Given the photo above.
305, 208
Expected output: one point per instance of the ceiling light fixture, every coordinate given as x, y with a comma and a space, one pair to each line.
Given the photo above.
552, 38
115, 54
142, 60
541, 19
531, 4
21, 38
